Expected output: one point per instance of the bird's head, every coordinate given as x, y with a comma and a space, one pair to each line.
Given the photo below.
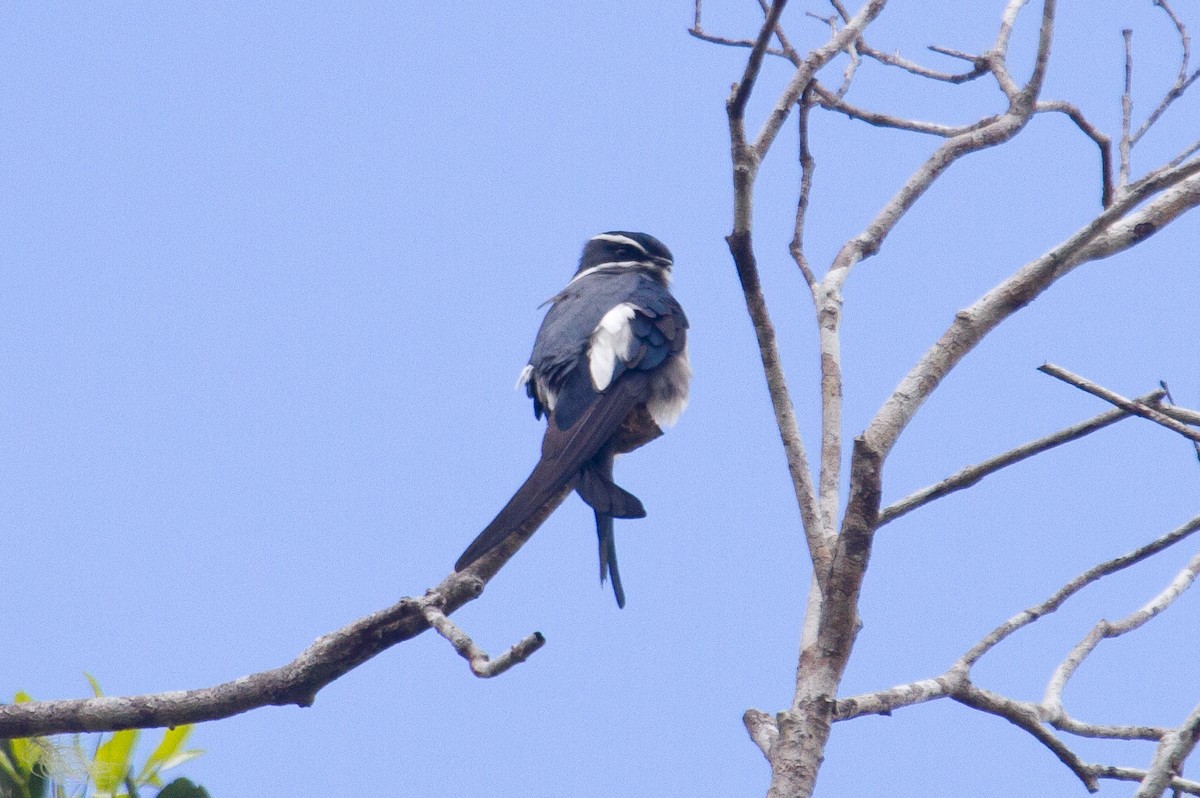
618, 250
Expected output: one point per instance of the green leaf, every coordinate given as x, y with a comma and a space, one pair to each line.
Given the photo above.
8, 769
112, 761
95, 685
25, 753
181, 757
164, 752
183, 788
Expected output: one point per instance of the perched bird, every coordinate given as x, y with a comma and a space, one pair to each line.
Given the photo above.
609, 370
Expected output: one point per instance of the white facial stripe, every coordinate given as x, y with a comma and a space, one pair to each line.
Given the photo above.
611, 341
618, 239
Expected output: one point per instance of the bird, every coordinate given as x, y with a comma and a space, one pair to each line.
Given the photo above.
609, 371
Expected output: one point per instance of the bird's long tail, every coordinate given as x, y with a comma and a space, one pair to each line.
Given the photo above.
608, 556
565, 451
543, 483
609, 501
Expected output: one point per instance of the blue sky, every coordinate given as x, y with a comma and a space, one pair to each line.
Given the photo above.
268, 274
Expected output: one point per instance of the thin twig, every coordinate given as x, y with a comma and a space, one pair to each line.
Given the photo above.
1134, 774
1126, 110
974, 473
703, 35
1090, 576
1187, 152
959, 54
481, 664
744, 87
1129, 405
1182, 81
1007, 22
1025, 715
1092, 132
1181, 414
896, 60
830, 101
1106, 630
808, 166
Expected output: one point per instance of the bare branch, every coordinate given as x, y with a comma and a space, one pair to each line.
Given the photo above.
1126, 110
1187, 152
1092, 132
1181, 414
743, 89
785, 45
884, 702
745, 164
328, 658
972, 474
794, 740
896, 60
1182, 81
703, 35
814, 62
1173, 749
481, 664
1133, 774
989, 133
781, 401
1096, 731
1094, 574
1007, 22
1128, 405
808, 166
1105, 630
833, 102
1114, 229
1042, 59
763, 730
1025, 715
959, 54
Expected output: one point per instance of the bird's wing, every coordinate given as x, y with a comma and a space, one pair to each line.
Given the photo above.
564, 452
635, 336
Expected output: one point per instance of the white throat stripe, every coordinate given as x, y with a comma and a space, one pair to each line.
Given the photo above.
619, 264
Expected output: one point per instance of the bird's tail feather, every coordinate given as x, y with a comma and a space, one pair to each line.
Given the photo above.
545, 481
564, 453
597, 489
608, 556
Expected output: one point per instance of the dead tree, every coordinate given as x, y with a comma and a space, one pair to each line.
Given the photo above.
839, 543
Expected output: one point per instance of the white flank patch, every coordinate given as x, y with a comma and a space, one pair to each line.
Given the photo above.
616, 239
612, 340
545, 396
669, 391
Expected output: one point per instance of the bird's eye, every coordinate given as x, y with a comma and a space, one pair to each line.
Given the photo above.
623, 252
